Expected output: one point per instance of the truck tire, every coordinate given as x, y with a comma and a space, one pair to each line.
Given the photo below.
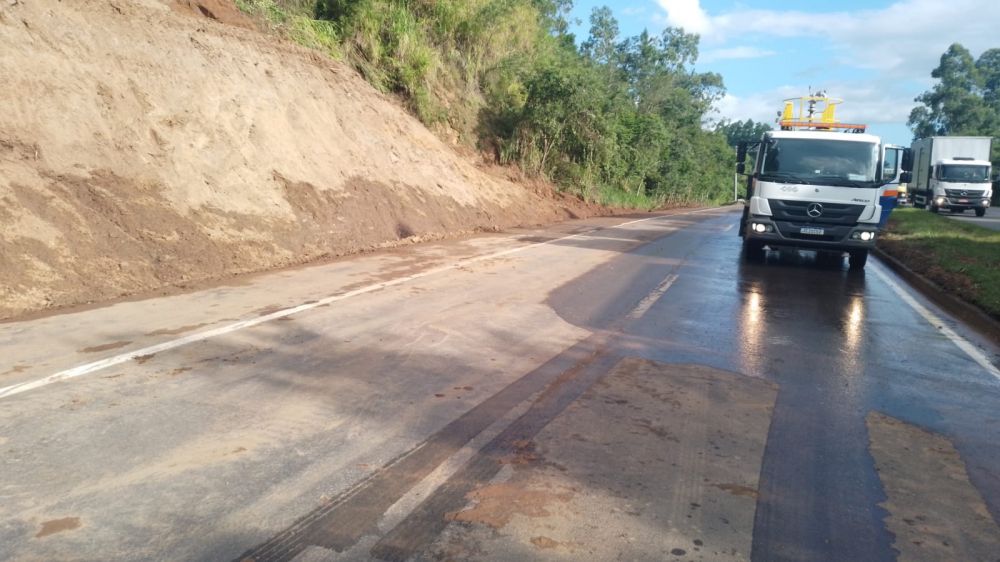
981, 212
753, 250
934, 208
858, 259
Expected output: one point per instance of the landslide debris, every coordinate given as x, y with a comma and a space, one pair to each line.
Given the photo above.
149, 144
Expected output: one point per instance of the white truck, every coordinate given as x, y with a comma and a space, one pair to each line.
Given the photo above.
815, 184
952, 173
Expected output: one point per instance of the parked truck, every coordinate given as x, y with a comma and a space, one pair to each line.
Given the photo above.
816, 183
952, 173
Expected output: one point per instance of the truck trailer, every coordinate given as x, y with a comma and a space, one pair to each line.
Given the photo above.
952, 173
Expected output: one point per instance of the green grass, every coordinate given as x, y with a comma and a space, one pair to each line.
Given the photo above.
293, 19
955, 255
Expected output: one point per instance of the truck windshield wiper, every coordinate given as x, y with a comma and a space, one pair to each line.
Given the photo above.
783, 177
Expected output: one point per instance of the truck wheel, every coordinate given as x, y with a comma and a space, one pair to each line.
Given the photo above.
858, 259
753, 249
934, 208
981, 212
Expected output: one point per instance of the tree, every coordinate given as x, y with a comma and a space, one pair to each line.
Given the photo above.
955, 105
742, 131
966, 99
602, 45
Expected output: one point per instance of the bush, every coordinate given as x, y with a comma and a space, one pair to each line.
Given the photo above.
618, 121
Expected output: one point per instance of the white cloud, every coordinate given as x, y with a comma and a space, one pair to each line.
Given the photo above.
687, 14
864, 103
742, 52
901, 43
905, 38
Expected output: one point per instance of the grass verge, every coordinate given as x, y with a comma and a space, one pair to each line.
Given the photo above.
962, 258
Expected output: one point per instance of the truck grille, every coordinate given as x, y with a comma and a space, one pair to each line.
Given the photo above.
964, 192
833, 213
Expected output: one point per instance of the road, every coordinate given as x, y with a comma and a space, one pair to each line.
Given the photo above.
618, 388
991, 220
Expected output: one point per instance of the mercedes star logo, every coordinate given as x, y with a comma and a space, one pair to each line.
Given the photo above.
814, 210
965, 194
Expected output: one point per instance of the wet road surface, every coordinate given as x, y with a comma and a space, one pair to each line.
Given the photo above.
616, 388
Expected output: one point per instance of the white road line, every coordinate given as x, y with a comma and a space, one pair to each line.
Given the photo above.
102, 364
645, 304
972, 351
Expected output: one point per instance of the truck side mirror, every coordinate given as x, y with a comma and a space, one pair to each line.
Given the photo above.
905, 177
741, 168
907, 162
741, 154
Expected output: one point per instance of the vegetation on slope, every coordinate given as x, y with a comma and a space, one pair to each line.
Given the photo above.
617, 120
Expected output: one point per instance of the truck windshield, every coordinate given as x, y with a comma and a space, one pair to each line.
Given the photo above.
821, 161
965, 173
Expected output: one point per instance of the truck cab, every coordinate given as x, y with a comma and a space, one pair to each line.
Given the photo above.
816, 188
961, 184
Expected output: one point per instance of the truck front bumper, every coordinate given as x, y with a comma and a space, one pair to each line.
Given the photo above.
811, 235
950, 203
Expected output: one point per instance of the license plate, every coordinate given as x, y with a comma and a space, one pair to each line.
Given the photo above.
963, 200
811, 230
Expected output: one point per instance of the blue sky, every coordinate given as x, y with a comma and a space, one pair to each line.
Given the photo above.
875, 55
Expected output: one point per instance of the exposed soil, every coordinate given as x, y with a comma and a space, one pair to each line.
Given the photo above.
206, 150
496, 504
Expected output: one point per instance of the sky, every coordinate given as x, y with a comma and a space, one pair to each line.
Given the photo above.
877, 56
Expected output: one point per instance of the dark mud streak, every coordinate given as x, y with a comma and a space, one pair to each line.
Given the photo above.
341, 522
105, 347
177, 331
428, 520
57, 526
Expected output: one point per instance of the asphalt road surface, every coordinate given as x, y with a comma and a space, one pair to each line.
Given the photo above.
621, 388
991, 220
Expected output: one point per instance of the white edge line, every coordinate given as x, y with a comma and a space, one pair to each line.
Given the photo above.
102, 364
939, 324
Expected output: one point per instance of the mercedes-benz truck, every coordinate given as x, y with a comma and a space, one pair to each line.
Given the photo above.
952, 174
815, 185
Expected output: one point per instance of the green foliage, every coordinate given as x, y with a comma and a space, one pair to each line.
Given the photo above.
293, 19
742, 131
966, 99
953, 254
617, 120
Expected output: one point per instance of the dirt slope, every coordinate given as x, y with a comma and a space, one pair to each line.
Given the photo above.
144, 144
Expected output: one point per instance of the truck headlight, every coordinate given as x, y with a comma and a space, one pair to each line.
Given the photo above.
761, 227
941, 200
864, 236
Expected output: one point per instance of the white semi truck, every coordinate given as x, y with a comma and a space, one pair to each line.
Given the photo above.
952, 173
815, 184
